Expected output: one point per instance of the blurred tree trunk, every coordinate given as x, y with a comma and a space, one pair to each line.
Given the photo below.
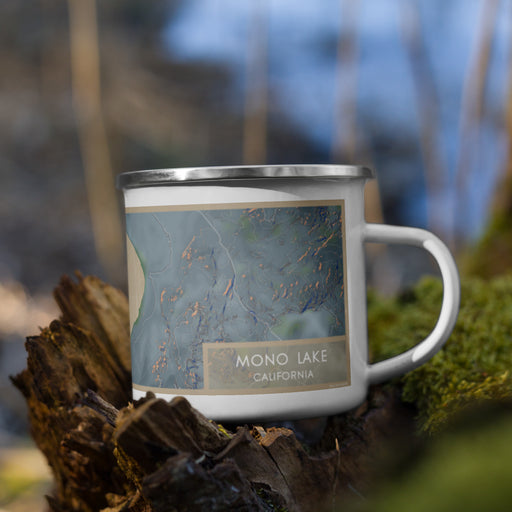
344, 144
255, 117
472, 109
492, 255
427, 100
86, 83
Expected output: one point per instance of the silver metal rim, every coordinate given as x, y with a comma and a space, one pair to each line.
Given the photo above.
159, 177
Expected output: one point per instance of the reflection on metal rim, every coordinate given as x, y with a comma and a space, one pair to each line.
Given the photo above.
157, 177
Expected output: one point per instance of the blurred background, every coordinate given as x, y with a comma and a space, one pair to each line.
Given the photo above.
419, 90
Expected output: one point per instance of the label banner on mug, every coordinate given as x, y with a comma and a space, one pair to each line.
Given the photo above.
251, 367
238, 298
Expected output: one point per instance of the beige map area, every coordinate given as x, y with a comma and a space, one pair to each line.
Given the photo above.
136, 282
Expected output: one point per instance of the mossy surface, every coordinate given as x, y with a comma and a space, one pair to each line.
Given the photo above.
475, 363
466, 468
24, 477
492, 254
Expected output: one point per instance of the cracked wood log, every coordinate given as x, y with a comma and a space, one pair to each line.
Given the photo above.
109, 454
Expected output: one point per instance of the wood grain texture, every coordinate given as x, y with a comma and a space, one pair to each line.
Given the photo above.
108, 453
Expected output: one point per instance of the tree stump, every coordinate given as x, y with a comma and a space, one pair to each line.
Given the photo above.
108, 453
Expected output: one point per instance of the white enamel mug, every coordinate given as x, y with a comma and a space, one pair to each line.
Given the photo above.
247, 289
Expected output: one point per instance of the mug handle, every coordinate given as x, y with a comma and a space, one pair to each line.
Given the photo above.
424, 350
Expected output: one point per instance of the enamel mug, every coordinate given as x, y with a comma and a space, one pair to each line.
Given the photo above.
247, 289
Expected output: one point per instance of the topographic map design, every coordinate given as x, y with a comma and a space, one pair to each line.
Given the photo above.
241, 274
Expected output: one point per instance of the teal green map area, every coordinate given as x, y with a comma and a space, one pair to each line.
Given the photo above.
232, 275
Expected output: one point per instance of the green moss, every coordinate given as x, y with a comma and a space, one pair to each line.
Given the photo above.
492, 254
24, 475
222, 429
267, 500
474, 364
463, 469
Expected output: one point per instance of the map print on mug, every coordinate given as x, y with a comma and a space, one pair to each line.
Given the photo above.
244, 298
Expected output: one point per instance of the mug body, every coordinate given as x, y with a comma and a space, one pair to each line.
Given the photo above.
247, 288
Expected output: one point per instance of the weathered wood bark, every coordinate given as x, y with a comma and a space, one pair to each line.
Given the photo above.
110, 454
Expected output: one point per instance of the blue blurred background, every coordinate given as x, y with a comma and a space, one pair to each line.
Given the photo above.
417, 89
